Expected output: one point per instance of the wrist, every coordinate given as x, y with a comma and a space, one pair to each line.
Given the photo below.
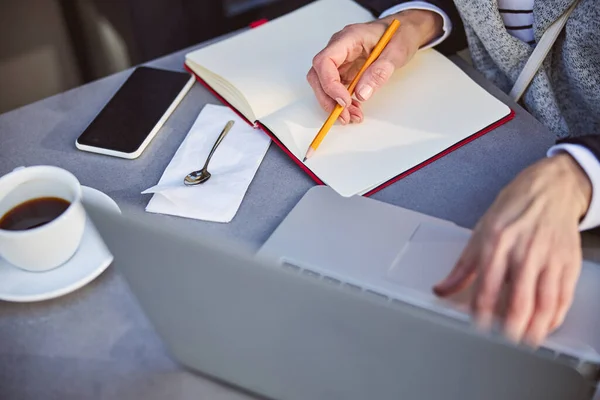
424, 25
579, 182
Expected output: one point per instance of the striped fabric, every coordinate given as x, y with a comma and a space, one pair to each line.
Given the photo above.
518, 18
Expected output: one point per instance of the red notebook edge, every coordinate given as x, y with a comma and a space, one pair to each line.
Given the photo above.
258, 124
289, 154
449, 150
404, 174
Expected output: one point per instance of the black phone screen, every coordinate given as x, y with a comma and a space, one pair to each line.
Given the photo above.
136, 108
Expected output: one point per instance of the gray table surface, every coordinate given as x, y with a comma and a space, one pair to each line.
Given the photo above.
96, 343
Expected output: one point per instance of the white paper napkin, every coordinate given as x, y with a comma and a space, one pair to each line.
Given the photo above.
232, 167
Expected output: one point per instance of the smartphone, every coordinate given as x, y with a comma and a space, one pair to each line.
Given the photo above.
133, 116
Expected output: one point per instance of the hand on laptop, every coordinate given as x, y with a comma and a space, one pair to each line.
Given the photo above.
529, 238
336, 65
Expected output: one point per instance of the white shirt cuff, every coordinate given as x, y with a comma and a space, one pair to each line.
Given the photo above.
590, 164
423, 5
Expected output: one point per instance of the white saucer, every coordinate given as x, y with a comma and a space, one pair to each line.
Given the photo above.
90, 260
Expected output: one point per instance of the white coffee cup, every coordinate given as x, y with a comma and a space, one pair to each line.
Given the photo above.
51, 245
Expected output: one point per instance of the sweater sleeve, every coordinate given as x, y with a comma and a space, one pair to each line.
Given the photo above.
586, 151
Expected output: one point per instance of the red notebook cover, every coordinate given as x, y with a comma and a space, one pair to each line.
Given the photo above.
383, 185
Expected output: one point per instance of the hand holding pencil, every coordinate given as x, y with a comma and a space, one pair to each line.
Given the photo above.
385, 39
346, 54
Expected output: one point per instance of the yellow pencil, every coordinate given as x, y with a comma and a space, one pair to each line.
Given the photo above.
335, 114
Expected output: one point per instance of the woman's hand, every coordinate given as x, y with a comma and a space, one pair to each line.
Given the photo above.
529, 239
336, 65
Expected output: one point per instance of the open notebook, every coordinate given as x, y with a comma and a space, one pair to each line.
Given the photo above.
428, 108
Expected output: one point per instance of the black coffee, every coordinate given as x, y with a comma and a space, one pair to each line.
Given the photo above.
33, 213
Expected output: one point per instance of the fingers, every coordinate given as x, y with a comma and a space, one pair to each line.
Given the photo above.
395, 55
343, 53
351, 114
326, 102
527, 243
523, 291
494, 266
546, 302
461, 276
543, 287
566, 290
327, 62
356, 114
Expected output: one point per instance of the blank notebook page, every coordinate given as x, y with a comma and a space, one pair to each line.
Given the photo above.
268, 64
427, 107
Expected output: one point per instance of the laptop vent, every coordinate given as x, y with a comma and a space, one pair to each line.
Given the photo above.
334, 281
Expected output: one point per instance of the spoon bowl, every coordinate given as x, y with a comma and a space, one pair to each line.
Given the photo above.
196, 177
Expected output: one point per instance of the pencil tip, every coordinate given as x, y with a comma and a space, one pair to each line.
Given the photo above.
309, 154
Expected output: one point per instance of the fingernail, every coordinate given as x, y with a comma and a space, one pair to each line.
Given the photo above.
365, 91
343, 121
341, 102
354, 119
439, 287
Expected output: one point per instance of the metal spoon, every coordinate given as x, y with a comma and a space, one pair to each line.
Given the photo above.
202, 175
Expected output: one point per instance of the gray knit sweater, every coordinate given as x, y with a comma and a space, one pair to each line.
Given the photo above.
565, 94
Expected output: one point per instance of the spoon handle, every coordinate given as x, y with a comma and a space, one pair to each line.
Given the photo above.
218, 142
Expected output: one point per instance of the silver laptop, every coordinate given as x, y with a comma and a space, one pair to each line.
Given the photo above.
401, 254
288, 333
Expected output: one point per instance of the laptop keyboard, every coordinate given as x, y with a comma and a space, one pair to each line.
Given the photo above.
590, 371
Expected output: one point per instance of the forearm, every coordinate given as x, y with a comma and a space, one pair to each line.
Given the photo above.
452, 37
433, 23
